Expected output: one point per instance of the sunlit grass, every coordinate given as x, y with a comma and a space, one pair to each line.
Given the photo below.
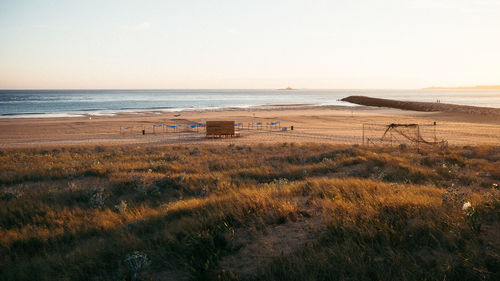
386, 213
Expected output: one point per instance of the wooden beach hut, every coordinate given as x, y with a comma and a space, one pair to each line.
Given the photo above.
218, 129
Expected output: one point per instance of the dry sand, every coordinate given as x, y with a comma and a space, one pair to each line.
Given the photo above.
311, 124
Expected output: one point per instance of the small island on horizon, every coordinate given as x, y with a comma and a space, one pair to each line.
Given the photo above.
467, 88
287, 89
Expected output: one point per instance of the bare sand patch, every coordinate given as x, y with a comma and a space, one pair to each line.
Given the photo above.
311, 124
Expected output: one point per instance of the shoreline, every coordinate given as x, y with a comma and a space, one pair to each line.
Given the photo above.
346, 102
176, 111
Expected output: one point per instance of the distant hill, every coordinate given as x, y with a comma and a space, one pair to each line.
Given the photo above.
471, 88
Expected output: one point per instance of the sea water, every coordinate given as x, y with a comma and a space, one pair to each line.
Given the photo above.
39, 103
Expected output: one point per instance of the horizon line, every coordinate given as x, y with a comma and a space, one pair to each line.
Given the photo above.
138, 89
475, 87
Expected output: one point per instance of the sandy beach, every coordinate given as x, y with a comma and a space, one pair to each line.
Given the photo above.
329, 124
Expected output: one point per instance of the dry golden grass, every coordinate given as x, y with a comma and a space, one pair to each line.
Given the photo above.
380, 213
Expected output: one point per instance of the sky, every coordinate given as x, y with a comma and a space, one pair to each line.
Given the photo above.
335, 44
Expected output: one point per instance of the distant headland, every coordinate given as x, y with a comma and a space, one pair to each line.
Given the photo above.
469, 88
287, 89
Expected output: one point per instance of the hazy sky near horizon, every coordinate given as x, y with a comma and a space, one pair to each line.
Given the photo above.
248, 44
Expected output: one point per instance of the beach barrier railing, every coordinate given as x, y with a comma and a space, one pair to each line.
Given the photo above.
275, 125
131, 129
193, 127
238, 126
153, 127
156, 126
257, 125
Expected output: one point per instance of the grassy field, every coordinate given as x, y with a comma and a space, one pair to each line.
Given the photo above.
263, 212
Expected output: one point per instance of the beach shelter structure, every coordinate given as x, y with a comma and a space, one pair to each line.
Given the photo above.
220, 129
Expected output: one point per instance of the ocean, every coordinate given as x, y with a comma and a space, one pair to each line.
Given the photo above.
50, 103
